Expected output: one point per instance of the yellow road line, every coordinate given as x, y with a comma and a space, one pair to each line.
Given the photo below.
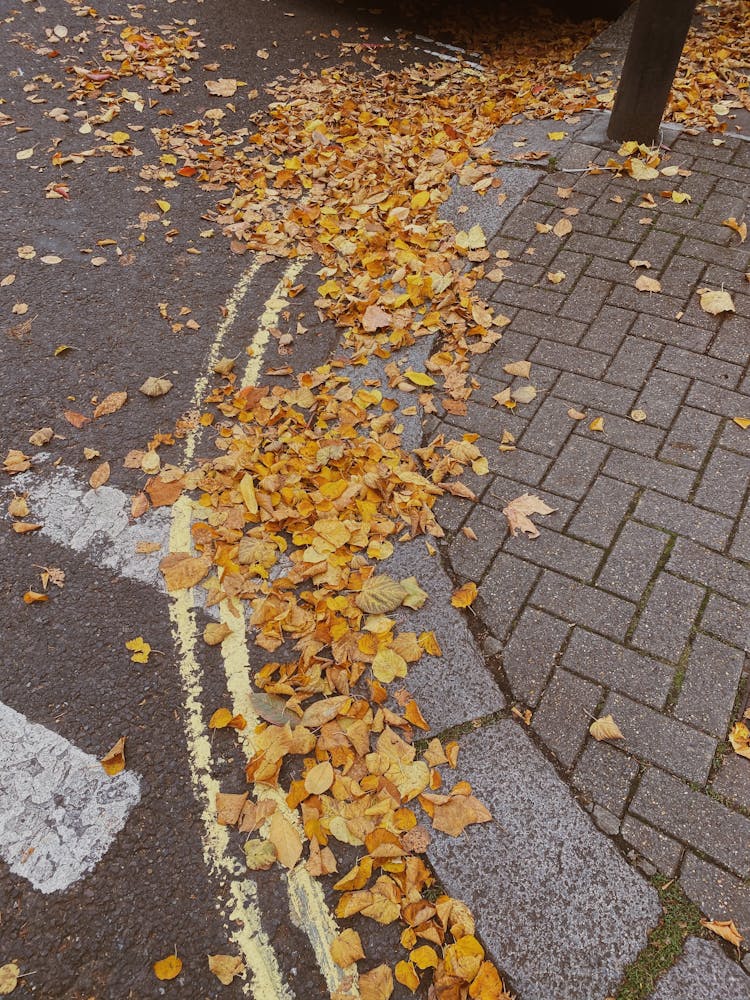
268, 319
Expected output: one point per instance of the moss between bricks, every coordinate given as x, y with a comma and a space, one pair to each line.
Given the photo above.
665, 942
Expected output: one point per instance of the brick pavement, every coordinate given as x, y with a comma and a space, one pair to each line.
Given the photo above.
633, 599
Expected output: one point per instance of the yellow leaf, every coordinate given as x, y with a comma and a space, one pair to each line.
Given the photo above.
416, 597
725, 929
646, 284
119, 138
555, 277
182, 571
525, 394
32, 597
346, 948
638, 415
556, 136
464, 596
260, 855
562, 228
739, 227
380, 594
377, 984
576, 414
715, 302
25, 154
215, 632
62, 349
111, 404
247, 489
285, 839
605, 729
387, 665
520, 368
487, 985
168, 968
597, 424
743, 422
163, 205
9, 976
680, 197
140, 649
739, 737
406, 974
420, 199
226, 967
424, 957
319, 778
99, 476
114, 761
419, 378
220, 719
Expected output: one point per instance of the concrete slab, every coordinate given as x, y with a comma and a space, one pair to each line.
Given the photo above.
703, 973
569, 913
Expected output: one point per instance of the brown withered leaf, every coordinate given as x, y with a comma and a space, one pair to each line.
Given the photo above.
99, 476
605, 728
215, 633
285, 839
76, 419
346, 948
375, 318
114, 760
18, 506
41, 437
15, 461
725, 929
646, 284
226, 967
182, 571
155, 387
452, 817
739, 737
377, 984
111, 404
229, 807
517, 512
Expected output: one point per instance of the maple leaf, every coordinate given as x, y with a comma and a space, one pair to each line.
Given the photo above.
517, 512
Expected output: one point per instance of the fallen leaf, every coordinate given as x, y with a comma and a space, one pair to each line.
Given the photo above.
168, 968
33, 597
155, 387
556, 136
99, 476
406, 974
597, 424
229, 807
375, 318
419, 378
140, 649
465, 596
222, 87
346, 948
520, 368
739, 227
24, 527
380, 594
18, 507
638, 415
646, 284
739, 737
41, 437
562, 227
9, 976
743, 422
715, 302
725, 929
517, 512
452, 817
111, 404
377, 984
285, 839
15, 461
319, 778
114, 760
639, 263
576, 414
415, 596
215, 633
555, 277
226, 967
76, 419
182, 571
260, 855
524, 394
605, 729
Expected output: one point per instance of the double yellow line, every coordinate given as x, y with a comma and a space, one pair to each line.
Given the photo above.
307, 905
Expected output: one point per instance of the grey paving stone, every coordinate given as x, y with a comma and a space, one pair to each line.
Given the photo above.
575, 467
451, 512
549, 429
670, 331
583, 605
549, 327
727, 620
502, 490
573, 359
633, 362
700, 366
580, 915
650, 472
624, 433
710, 687
555, 551
471, 558
600, 514
733, 780
605, 775
457, 686
716, 571
696, 819
661, 396
524, 466
608, 330
628, 297
690, 437
732, 342
720, 895
666, 622
703, 973
716, 399
564, 714
618, 668
682, 518
503, 593
586, 299
531, 654
583, 392
652, 844
733, 437
657, 739
631, 563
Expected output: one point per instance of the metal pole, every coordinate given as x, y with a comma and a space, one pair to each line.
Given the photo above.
659, 34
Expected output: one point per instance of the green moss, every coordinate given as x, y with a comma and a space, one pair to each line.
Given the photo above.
665, 942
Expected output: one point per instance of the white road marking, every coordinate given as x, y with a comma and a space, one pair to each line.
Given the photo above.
59, 809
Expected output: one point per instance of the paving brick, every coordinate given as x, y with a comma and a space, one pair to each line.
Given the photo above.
732, 342
631, 563
615, 271
711, 569
681, 275
515, 346
658, 247
735, 439
709, 690
502, 490
470, 558
598, 518
724, 482
727, 620
598, 246
652, 844
662, 396
586, 300
555, 551
608, 329
583, 605
733, 780
740, 547
539, 300
563, 331
598, 225
524, 466
564, 715
667, 620
699, 366
658, 739
549, 428
695, 818
696, 247
717, 400
503, 593
633, 361
593, 392
605, 775
531, 653
719, 895
574, 359
451, 512
649, 472
670, 331
628, 297
576, 466
704, 971
572, 265
690, 438
624, 433
684, 519
618, 668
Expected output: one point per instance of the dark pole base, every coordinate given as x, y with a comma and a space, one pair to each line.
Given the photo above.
659, 34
